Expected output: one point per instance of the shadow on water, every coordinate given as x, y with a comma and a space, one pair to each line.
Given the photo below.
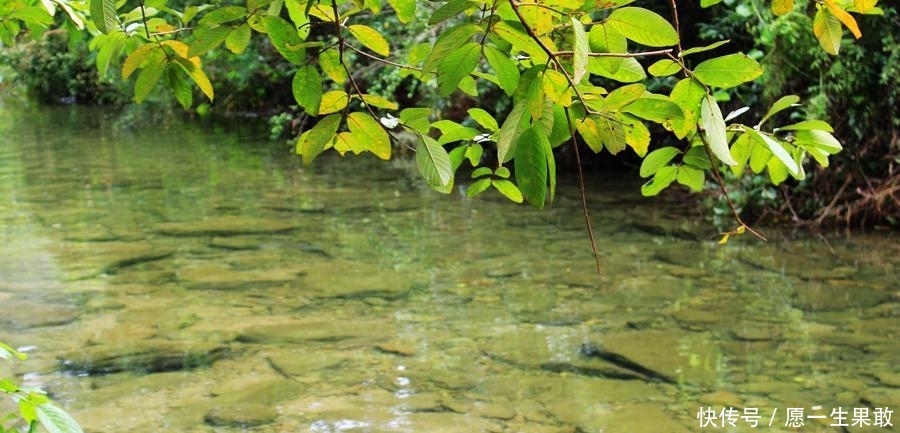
186, 279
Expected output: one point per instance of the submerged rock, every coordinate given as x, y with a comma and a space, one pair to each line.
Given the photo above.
21, 314
225, 226
221, 277
89, 259
241, 415
339, 278
149, 356
317, 330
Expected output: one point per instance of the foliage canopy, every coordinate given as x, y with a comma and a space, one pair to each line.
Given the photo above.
607, 74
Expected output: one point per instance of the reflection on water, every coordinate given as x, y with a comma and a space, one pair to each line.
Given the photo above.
193, 279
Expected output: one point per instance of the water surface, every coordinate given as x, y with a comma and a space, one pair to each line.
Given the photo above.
190, 278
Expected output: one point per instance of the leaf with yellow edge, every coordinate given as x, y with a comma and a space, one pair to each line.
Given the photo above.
827, 29
370, 38
333, 101
371, 133
136, 59
782, 7
196, 73
844, 17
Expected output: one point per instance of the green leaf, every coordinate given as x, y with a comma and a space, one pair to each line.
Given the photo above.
284, 38
224, 14
239, 38
314, 141
709, 47
330, 62
728, 71
643, 26
27, 410
780, 105
697, 157
508, 189
515, 34
55, 420
458, 64
605, 39
7, 352
103, 14
520, 117
531, 166
297, 12
484, 119
405, 9
180, 86
713, 129
664, 68
690, 177
416, 118
307, 88
448, 10
621, 97
371, 133
661, 180
448, 42
741, 150
630, 70
805, 125
581, 51
147, 79
656, 108
333, 101
371, 39
473, 153
778, 172
207, 38
433, 162
759, 157
452, 131
687, 94
818, 139
504, 67
657, 159
775, 147
478, 187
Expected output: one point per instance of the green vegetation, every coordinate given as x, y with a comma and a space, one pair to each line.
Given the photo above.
34, 406
605, 76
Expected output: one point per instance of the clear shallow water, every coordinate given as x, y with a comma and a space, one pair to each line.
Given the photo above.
196, 279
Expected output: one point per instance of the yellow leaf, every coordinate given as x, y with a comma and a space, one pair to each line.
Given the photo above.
333, 101
724, 239
864, 6
136, 59
827, 30
536, 16
781, 7
844, 17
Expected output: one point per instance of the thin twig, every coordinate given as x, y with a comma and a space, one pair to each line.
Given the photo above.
639, 54
583, 192
724, 190
385, 61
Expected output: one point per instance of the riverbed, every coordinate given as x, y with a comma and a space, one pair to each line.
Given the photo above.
192, 277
